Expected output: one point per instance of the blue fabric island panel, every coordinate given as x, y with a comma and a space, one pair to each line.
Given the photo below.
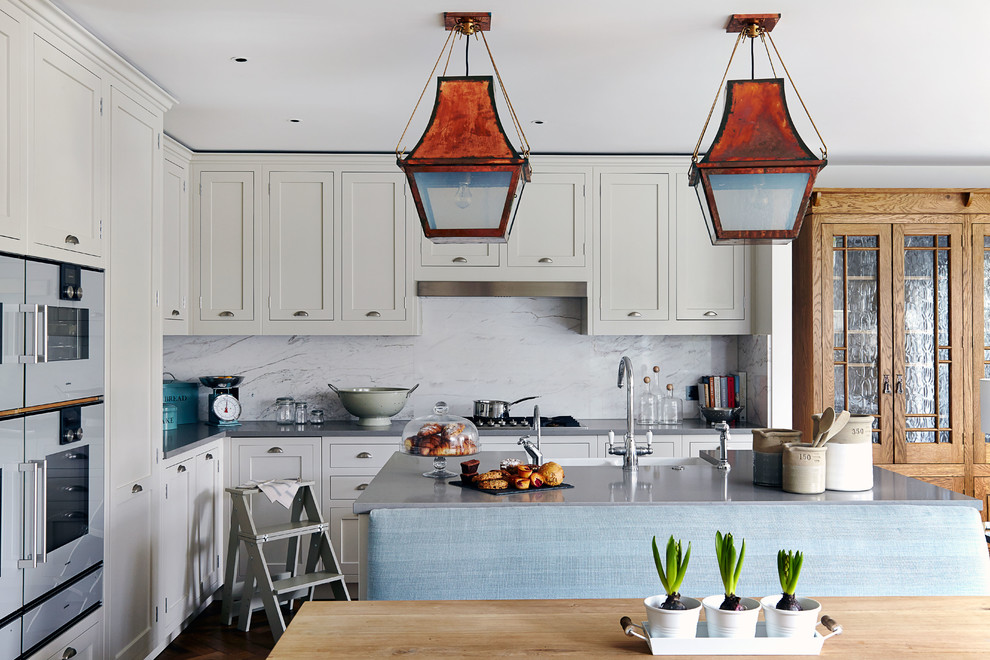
604, 551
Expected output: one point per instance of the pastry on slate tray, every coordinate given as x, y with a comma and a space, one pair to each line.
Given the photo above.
493, 484
470, 467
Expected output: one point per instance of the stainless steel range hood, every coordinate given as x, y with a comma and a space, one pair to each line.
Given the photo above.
503, 289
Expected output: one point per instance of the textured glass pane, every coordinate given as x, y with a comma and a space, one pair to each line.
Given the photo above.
921, 436
863, 391
945, 436
862, 263
863, 348
986, 295
943, 354
840, 388
919, 241
986, 241
943, 241
838, 241
838, 272
943, 393
765, 201
863, 241
919, 422
986, 369
918, 263
918, 347
943, 297
840, 355
919, 389
919, 306
463, 200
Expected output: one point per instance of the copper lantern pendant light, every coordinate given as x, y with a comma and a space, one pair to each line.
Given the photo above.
755, 180
465, 176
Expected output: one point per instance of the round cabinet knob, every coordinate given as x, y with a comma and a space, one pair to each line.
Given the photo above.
546, 260
634, 315
373, 315
175, 312
276, 450
136, 488
459, 260
225, 314
364, 454
71, 240
711, 314
301, 313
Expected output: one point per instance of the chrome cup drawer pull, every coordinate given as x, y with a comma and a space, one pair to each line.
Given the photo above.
209, 457
459, 260
176, 312
276, 450
71, 240
301, 313
361, 487
181, 468
225, 314
136, 488
711, 313
373, 315
634, 315
546, 260
364, 454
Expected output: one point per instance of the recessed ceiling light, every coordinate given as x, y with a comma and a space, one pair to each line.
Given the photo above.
239, 60
295, 121
536, 121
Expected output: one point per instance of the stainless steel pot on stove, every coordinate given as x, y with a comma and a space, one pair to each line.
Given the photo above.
491, 410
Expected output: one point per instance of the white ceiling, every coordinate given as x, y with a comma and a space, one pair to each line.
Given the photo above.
887, 81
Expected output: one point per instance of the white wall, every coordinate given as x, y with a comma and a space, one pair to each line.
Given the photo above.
470, 348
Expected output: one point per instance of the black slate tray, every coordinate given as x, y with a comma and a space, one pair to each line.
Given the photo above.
508, 491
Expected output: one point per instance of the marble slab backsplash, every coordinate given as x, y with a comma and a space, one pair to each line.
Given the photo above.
470, 348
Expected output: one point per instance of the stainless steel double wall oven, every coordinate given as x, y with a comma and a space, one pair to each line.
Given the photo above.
51, 449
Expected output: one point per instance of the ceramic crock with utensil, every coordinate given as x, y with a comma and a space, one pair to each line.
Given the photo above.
768, 455
804, 469
849, 460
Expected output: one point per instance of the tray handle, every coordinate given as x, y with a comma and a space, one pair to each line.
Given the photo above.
831, 625
629, 628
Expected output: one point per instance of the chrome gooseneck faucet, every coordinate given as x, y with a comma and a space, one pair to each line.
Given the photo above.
535, 454
630, 451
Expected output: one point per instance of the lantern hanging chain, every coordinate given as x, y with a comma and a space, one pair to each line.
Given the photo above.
467, 62
694, 156
752, 59
824, 147
512, 111
398, 149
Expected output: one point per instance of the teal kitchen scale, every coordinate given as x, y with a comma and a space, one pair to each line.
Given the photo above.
224, 408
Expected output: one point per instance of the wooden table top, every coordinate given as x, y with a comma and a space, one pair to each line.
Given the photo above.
957, 627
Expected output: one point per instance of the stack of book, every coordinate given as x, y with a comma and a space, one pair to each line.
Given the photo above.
722, 391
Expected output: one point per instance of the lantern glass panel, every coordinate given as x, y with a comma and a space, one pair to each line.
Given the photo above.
758, 201
463, 200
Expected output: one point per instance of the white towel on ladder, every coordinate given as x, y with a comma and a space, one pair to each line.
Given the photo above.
282, 491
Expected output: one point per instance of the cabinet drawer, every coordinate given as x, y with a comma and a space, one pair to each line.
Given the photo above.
362, 456
348, 488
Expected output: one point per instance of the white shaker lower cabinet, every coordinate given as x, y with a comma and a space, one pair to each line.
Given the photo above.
300, 248
376, 295
258, 459
66, 167
711, 279
84, 641
224, 239
553, 447
634, 276
189, 537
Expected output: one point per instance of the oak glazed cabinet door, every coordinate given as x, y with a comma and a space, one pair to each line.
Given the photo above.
981, 354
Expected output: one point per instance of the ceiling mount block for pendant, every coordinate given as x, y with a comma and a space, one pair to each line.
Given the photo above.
754, 182
465, 177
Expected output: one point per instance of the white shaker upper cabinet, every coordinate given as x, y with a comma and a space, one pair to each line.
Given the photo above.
300, 249
224, 232
634, 279
457, 255
549, 229
175, 249
711, 279
13, 145
66, 170
373, 249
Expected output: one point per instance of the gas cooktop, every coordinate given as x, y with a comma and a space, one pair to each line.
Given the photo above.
525, 422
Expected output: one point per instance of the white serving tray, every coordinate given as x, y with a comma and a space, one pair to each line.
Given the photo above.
758, 645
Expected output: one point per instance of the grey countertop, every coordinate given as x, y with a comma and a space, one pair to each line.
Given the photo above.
400, 484
190, 436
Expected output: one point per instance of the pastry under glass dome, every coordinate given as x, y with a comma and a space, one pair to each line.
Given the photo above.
440, 435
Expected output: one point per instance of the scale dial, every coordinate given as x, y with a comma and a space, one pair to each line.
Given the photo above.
226, 408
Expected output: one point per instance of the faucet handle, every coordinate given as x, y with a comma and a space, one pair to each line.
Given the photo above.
611, 441
649, 439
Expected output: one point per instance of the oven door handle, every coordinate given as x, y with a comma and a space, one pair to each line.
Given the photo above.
40, 354
31, 561
43, 520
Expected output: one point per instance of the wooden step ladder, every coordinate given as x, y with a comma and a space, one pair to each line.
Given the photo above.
258, 583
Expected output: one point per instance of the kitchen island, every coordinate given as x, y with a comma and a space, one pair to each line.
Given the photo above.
428, 539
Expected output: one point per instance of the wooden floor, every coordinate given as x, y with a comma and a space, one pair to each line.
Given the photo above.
209, 639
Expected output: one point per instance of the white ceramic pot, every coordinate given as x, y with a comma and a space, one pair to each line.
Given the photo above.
804, 469
728, 623
787, 623
672, 623
848, 467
